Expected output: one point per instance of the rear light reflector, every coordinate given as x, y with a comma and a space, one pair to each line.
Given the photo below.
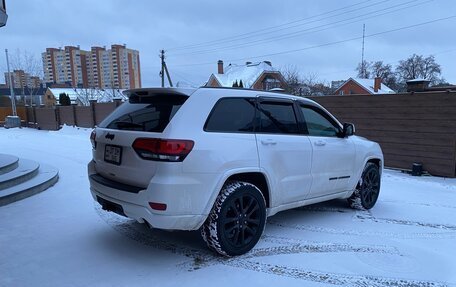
93, 135
162, 149
157, 206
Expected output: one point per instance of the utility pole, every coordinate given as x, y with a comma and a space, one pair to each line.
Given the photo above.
164, 69
363, 71
13, 97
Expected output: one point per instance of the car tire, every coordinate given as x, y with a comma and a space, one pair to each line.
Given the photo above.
366, 193
237, 219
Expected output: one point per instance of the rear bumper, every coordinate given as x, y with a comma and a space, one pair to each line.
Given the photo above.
143, 213
186, 202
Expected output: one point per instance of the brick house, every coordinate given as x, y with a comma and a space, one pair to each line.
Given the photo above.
355, 86
258, 76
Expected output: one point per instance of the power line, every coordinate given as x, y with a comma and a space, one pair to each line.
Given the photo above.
309, 30
327, 44
239, 37
180, 75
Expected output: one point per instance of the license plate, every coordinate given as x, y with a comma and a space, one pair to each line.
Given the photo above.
113, 154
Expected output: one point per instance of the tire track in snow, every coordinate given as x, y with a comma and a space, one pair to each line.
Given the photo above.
333, 278
204, 257
200, 258
367, 216
364, 216
350, 232
418, 204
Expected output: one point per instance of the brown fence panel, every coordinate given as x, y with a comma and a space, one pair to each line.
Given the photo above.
8, 111
102, 110
84, 117
409, 127
67, 115
46, 119
30, 116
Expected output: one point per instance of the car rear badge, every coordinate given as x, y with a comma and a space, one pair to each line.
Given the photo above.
109, 136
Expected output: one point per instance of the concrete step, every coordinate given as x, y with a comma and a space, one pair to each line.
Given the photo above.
8, 163
46, 177
25, 170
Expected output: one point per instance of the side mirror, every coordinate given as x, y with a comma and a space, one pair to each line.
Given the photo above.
349, 130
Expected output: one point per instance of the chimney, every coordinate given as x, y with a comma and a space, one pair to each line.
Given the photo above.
417, 85
377, 84
220, 67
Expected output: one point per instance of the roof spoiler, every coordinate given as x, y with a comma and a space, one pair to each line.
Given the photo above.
152, 92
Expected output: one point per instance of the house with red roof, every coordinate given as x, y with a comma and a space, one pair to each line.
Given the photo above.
258, 76
354, 86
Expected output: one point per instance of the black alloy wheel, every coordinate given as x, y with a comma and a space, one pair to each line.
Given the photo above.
240, 220
366, 194
237, 219
370, 187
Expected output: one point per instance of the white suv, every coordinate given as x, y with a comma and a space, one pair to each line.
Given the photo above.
225, 159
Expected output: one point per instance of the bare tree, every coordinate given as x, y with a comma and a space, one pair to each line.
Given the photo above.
309, 84
363, 69
385, 71
23, 60
292, 78
419, 67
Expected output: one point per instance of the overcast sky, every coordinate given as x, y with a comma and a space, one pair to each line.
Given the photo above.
313, 35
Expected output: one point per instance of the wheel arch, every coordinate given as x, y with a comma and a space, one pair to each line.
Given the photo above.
253, 176
378, 161
256, 178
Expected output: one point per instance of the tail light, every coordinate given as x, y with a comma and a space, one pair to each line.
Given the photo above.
162, 149
92, 139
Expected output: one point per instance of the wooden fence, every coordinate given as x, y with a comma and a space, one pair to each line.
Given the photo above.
53, 118
410, 128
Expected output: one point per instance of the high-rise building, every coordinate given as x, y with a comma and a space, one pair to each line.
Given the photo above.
21, 79
118, 67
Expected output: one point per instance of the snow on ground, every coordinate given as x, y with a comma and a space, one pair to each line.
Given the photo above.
60, 237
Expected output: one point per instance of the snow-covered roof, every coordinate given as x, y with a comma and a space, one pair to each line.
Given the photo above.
368, 84
84, 95
417, 80
248, 73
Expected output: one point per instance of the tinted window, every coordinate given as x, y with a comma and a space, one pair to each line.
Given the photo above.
149, 114
232, 115
278, 118
317, 124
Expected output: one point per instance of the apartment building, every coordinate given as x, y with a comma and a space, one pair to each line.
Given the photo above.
21, 79
118, 67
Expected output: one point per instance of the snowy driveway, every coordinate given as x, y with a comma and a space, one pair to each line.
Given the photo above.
61, 237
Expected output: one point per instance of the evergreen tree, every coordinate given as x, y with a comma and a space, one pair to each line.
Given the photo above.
64, 99
235, 84
241, 85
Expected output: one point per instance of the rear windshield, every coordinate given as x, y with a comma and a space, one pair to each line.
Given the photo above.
148, 114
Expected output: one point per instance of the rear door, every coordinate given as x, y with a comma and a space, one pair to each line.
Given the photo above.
333, 157
285, 152
143, 116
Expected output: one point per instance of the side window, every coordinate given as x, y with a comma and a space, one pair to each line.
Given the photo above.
277, 118
317, 124
232, 115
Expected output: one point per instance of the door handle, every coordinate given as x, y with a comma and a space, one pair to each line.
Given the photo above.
268, 142
320, 143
